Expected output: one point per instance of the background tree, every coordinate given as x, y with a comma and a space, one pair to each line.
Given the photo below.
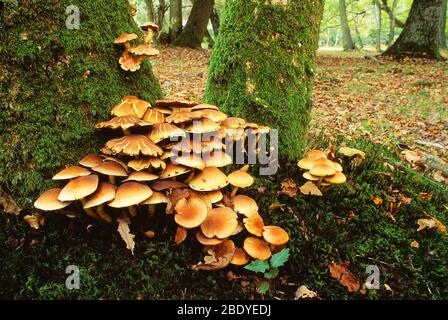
442, 25
347, 41
262, 66
175, 18
378, 21
56, 83
150, 10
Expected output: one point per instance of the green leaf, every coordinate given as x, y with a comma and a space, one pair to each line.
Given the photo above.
257, 266
271, 274
264, 287
279, 259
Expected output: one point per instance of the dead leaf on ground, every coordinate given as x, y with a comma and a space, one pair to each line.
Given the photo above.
174, 196
309, 188
304, 293
181, 235
219, 257
32, 221
377, 200
289, 187
275, 206
425, 224
344, 276
410, 156
415, 244
125, 232
424, 196
149, 234
8, 204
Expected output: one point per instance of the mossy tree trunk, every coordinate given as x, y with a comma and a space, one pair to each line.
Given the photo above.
442, 25
420, 33
262, 66
56, 83
196, 28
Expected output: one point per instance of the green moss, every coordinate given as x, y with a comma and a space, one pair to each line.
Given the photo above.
262, 66
47, 106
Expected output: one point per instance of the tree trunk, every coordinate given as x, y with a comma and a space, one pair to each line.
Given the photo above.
57, 83
392, 23
214, 19
161, 13
378, 24
196, 28
420, 33
150, 10
175, 18
347, 41
262, 66
391, 13
442, 25
358, 36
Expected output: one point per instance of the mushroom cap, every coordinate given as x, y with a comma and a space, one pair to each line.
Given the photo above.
104, 193
156, 198
235, 134
233, 123
160, 185
48, 201
149, 26
185, 145
322, 170
129, 63
177, 103
202, 106
153, 116
144, 50
337, 166
309, 188
351, 152
91, 160
203, 196
173, 170
257, 248
182, 116
123, 122
111, 168
130, 194
254, 224
145, 163
316, 154
126, 37
275, 235
240, 257
220, 223
117, 160
133, 145
240, 178
208, 241
214, 145
218, 159
309, 176
204, 125
141, 176
191, 160
130, 106
337, 178
215, 196
71, 172
163, 110
190, 213
164, 131
210, 179
245, 205
212, 114
79, 188
306, 163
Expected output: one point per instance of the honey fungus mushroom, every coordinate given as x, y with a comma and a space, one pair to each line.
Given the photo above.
130, 194
257, 248
104, 193
151, 29
190, 213
240, 179
220, 223
125, 39
49, 201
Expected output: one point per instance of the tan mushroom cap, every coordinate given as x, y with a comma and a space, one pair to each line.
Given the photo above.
130, 106
181, 117
149, 26
134, 145
204, 125
257, 248
123, 122
240, 178
233, 123
130, 194
212, 114
220, 223
223, 249
208, 241
202, 106
254, 224
117, 160
190, 213
245, 205
351, 152
337, 178
214, 145
160, 185
48, 201
126, 37
191, 161
309, 176
104, 193
111, 168
177, 103
322, 170
156, 198
215, 196
163, 110
315, 154
163, 131
210, 179
71, 172
173, 170
218, 159
91, 160
129, 63
306, 163
145, 163
240, 257
275, 235
203, 196
153, 116
141, 176
185, 145
79, 188
145, 50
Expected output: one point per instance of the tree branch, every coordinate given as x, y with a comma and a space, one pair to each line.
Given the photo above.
388, 10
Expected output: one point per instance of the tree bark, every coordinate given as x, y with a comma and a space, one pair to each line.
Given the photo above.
150, 10
262, 66
161, 13
442, 25
214, 19
175, 18
392, 23
58, 83
420, 33
378, 24
347, 41
358, 36
196, 28
391, 13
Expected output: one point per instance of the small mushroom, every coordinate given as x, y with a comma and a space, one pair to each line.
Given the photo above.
124, 39
91, 160
111, 169
131, 106
48, 201
145, 163
210, 179
254, 224
245, 205
104, 193
190, 213
208, 241
129, 194
257, 248
220, 223
240, 179
240, 257
275, 235
71, 172
134, 145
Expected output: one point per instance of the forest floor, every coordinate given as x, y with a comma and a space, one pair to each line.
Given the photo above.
372, 220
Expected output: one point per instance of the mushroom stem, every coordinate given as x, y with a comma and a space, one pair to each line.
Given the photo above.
233, 193
91, 213
190, 177
151, 209
126, 131
103, 214
318, 183
133, 211
127, 46
112, 179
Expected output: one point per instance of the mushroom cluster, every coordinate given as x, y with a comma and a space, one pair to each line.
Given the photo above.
173, 155
132, 57
321, 172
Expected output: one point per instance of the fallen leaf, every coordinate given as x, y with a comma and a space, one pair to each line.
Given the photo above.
425, 224
8, 204
32, 221
424, 196
415, 244
309, 188
344, 276
387, 287
181, 235
174, 196
219, 257
288, 187
149, 234
377, 200
275, 206
304, 293
351, 152
125, 232
410, 156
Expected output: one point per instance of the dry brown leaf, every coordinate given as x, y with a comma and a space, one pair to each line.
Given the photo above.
275, 206
415, 244
32, 221
344, 276
149, 234
125, 232
304, 293
174, 196
8, 204
377, 200
410, 156
425, 224
289, 187
181, 235
351, 152
219, 257
424, 196
309, 188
